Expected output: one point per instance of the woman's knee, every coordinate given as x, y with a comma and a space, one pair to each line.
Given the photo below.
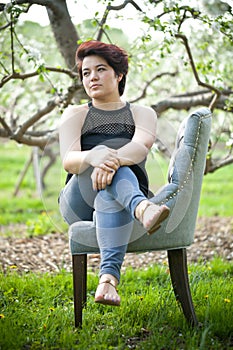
74, 208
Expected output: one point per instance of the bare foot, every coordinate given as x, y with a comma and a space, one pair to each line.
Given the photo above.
151, 215
106, 292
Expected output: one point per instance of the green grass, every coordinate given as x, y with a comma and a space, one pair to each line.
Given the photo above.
217, 191
39, 213
217, 187
37, 311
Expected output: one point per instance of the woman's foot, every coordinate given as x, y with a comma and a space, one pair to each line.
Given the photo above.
106, 292
151, 215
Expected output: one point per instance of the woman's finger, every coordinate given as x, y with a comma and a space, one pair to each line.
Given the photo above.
100, 179
110, 177
103, 181
113, 164
94, 179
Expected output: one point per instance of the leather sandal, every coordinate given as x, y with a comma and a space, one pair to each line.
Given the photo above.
154, 214
103, 298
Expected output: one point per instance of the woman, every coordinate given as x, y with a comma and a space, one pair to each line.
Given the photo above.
104, 145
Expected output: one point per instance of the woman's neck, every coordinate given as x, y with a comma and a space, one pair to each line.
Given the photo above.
108, 105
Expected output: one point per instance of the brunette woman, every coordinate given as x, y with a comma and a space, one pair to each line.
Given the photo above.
104, 146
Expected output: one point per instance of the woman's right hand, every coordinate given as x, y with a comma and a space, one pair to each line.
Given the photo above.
104, 158
101, 178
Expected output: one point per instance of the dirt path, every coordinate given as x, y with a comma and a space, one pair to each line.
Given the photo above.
214, 236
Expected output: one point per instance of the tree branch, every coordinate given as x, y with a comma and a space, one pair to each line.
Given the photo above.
125, 3
113, 8
38, 138
144, 91
24, 76
41, 142
35, 2
195, 73
7, 129
212, 167
18, 134
187, 101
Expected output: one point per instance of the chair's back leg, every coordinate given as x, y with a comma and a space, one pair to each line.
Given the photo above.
177, 260
80, 286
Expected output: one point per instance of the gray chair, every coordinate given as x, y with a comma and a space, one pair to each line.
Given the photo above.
181, 194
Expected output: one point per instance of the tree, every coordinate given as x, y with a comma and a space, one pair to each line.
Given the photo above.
185, 46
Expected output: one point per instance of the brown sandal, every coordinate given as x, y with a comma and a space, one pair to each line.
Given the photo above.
102, 299
156, 214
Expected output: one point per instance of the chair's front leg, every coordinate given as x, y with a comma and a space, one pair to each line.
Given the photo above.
177, 260
79, 263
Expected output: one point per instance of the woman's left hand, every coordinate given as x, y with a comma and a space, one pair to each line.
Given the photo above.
101, 178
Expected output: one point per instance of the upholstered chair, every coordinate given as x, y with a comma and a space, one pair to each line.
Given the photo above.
181, 194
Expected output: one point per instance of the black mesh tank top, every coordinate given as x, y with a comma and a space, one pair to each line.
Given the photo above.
114, 128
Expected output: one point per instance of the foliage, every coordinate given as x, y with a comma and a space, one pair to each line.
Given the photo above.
38, 215
37, 311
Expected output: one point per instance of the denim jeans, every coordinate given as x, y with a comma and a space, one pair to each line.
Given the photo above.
114, 208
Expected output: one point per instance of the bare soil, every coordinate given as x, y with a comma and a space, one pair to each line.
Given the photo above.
50, 253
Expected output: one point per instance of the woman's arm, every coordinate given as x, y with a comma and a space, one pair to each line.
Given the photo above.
69, 139
145, 134
74, 160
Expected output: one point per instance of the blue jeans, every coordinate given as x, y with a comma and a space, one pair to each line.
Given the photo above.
114, 207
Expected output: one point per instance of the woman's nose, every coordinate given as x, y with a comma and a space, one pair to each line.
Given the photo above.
94, 75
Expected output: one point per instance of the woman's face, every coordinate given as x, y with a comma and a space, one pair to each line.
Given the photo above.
99, 79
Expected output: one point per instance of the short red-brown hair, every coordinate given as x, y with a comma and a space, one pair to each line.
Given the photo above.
116, 57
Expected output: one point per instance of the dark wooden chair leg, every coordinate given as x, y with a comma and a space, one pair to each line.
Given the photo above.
177, 260
79, 263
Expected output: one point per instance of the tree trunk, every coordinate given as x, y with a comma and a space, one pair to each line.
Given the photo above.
64, 30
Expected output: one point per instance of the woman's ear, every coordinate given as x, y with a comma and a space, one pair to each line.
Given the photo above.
119, 77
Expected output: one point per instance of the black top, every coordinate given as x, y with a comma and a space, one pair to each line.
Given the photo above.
114, 128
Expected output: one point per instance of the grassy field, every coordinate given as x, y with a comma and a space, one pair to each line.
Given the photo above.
37, 312
39, 212
217, 188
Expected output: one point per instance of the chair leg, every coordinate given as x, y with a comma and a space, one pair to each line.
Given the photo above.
177, 260
79, 263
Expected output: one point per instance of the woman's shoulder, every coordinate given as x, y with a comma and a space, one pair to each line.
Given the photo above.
77, 111
83, 108
139, 109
